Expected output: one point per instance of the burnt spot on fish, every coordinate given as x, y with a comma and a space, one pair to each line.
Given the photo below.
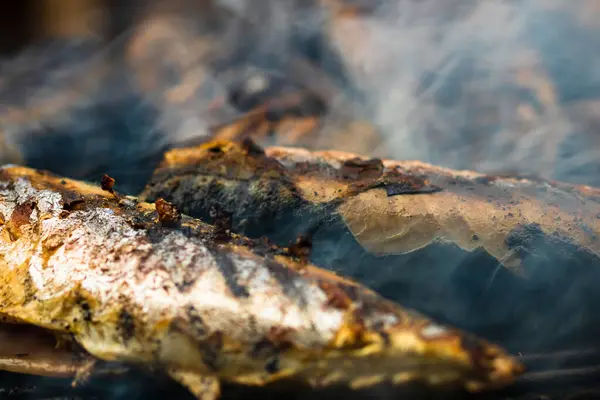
217, 149
20, 216
228, 271
29, 289
168, 215
301, 248
184, 280
336, 295
210, 349
260, 207
379, 328
251, 148
359, 169
126, 325
485, 180
263, 349
280, 337
397, 183
285, 276
222, 222
272, 366
71, 200
196, 322
107, 183
86, 312
270, 347
263, 246
400, 188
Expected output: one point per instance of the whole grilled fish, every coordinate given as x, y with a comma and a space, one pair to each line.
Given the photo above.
486, 253
390, 207
140, 283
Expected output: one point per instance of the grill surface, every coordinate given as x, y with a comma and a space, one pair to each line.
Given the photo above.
560, 375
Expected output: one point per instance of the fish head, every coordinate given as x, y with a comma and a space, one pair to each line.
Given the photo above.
379, 343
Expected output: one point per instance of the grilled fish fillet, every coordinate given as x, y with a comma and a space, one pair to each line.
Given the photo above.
137, 283
391, 207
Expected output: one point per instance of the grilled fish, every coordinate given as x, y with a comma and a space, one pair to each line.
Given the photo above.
141, 283
390, 207
484, 253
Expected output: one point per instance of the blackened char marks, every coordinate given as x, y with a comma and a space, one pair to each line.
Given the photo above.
126, 325
190, 274
359, 169
399, 188
397, 183
264, 348
73, 203
29, 289
251, 148
86, 312
196, 322
301, 248
228, 270
259, 207
163, 176
210, 349
272, 366
270, 347
286, 277
222, 222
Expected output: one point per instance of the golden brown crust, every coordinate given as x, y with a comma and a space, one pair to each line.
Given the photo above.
131, 289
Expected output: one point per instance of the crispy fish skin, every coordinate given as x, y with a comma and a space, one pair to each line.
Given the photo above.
391, 207
81, 260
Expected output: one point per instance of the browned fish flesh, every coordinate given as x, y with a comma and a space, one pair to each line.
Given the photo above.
390, 207
134, 283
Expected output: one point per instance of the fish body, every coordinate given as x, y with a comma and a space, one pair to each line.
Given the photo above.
390, 207
485, 253
131, 286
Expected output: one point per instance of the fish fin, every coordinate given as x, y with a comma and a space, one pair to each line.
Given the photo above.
203, 387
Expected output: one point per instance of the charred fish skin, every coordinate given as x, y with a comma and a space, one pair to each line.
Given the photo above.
478, 251
77, 259
254, 189
390, 207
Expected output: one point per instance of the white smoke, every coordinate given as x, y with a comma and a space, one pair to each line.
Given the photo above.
496, 86
465, 84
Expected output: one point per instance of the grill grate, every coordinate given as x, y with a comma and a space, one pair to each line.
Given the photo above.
559, 375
